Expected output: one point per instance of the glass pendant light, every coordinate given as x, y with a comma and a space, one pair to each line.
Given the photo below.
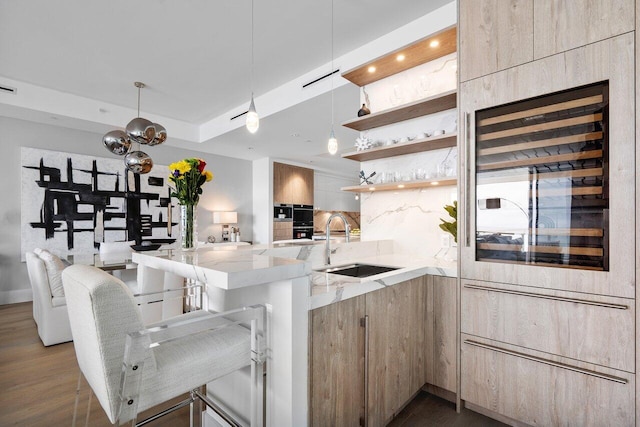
253, 121
332, 145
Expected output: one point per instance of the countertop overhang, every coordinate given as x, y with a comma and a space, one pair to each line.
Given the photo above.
225, 269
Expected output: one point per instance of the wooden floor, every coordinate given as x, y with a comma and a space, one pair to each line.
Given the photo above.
38, 385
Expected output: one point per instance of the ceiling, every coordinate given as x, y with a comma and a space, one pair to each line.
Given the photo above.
195, 57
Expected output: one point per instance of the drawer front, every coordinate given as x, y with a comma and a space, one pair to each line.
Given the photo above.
542, 392
590, 328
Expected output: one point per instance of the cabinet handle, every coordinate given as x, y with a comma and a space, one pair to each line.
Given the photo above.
364, 322
467, 178
548, 362
551, 297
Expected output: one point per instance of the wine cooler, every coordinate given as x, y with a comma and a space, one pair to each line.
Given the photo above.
542, 180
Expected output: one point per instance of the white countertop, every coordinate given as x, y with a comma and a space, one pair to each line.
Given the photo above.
225, 269
255, 265
327, 288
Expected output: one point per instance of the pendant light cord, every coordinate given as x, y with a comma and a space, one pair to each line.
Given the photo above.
331, 66
252, 49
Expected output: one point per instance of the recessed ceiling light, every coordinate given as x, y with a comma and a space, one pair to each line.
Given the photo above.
372, 188
249, 148
400, 57
401, 186
371, 69
435, 183
102, 110
434, 43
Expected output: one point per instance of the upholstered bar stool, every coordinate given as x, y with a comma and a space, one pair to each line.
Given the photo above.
131, 368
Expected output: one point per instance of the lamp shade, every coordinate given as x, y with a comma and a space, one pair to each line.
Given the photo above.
225, 217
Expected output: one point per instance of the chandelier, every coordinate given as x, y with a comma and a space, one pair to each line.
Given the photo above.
139, 131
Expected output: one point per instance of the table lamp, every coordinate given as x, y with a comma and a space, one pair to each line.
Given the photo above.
225, 218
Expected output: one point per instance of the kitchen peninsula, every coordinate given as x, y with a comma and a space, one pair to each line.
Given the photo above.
282, 277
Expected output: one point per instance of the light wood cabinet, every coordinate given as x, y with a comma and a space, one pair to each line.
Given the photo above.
282, 230
292, 184
563, 25
336, 364
381, 348
541, 390
494, 35
590, 328
440, 358
548, 339
397, 318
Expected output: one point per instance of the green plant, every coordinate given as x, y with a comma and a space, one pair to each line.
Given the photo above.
451, 227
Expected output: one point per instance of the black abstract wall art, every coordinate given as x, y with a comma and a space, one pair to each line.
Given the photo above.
71, 203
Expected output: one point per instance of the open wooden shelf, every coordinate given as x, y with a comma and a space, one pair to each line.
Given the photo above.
415, 146
403, 185
421, 107
415, 54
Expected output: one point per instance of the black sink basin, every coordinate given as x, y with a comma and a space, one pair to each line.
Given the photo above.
358, 270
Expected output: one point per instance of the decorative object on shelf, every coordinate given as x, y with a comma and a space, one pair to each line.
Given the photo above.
367, 103
363, 143
253, 121
188, 176
363, 111
332, 144
366, 179
445, 167
225, 218
451, 226
211, 239
140, 131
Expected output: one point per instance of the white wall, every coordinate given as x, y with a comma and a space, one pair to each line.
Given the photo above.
327, 195
231, 189
262, 200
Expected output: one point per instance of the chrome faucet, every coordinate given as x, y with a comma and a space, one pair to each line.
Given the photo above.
346, 228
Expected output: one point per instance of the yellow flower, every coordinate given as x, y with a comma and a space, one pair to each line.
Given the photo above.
183, 167
208, 175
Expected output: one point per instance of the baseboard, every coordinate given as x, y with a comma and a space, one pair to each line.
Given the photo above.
440, 392
13, 297
494, 415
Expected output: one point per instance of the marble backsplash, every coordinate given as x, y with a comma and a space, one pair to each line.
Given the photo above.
320, 221
314, 252
410, 218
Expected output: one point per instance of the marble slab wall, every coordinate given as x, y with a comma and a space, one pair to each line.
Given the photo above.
410, 218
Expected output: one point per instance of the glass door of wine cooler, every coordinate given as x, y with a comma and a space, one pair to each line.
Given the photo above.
541, 173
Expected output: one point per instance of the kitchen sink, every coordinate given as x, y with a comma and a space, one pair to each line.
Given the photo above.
357, 270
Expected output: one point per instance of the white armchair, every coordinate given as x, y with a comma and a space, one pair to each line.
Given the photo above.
49, 312
131, 369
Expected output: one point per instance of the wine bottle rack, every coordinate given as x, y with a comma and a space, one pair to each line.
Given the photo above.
542, 180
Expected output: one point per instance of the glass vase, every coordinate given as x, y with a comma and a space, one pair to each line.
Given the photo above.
188, 227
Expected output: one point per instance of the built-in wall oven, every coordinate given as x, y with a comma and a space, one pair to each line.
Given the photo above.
302, 221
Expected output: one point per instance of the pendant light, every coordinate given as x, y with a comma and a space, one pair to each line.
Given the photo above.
140, 131
253, 121
332, 145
